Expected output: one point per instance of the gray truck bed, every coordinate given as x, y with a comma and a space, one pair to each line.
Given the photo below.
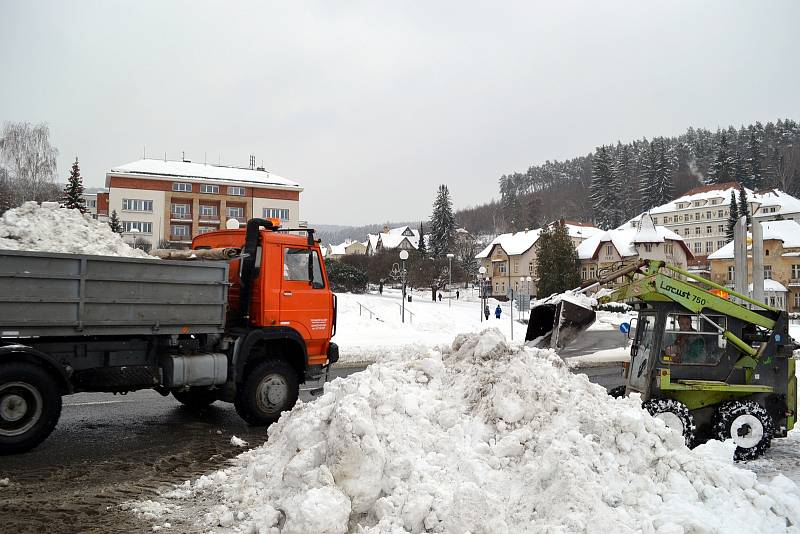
49, 294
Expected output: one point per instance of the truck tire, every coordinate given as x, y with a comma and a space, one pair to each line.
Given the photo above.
30, 405
271, 387
196, 398
748, 424
675, 415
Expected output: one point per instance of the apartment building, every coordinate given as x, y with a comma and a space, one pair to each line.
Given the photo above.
700, 216
96, 199
511, 258
781, 264
631, 242
174, 201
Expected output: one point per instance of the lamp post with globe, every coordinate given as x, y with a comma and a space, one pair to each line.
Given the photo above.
403, 258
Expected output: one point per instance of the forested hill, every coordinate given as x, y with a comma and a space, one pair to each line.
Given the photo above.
618, 181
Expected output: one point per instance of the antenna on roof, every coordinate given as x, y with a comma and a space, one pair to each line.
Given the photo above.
252, 161
205, 158
165, 157
144, 152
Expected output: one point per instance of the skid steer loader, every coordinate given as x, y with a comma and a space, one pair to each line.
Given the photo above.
706, 366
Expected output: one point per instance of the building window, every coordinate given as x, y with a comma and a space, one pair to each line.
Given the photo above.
530, 267
236, 191
720, 244
208, 210
182, 187
708, 229
180, 210
648, 247
206, 229
235, 212
708, 215
697, 230
516, 266
766, 252
698, 247
668, 248
502, 267
92, 203
179, 230
584, 273
709, 247
140, 226
697, 216
719, 214
135, 204
686, 231
767, 272
655, 220
797, 300
208, 188
731, 273
795, 272
720, 228
276, 213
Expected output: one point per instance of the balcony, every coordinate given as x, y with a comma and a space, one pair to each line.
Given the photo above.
209, 218
180, 217
180, 238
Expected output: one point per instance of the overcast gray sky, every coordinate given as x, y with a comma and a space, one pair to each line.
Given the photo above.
370, 105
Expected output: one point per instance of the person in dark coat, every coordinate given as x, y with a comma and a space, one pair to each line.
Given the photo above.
486, 311
497, 311
440, 297
457, 294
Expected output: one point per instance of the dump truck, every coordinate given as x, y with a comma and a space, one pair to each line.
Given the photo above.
248, 328
707, 366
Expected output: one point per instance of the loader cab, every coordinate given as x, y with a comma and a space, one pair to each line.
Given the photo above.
670, 337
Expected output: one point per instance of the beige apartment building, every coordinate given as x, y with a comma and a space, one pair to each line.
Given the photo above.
781, 265
511, 258
631, 242
700, 216
174, 201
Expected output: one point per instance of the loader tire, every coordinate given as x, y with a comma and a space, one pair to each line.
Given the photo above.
748, 424
196, 398
617, 392
675, 415
30, 405
271, 387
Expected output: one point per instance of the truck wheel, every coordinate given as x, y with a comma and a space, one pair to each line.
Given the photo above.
196, 398
270, 388
675, 415
749, 426
30, 405
617, 392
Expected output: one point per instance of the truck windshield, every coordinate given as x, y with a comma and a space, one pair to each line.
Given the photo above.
639, 375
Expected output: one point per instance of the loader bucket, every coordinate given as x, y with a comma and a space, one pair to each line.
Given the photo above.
556, 325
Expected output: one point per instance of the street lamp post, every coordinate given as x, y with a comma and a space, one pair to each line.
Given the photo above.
450, 275
481, 288
403, 258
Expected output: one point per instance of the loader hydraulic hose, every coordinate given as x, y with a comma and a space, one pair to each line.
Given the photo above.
249, 257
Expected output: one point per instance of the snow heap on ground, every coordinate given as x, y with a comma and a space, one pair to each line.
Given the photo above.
481, 437
50, 228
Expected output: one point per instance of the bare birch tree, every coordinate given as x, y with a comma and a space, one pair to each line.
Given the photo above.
29, 161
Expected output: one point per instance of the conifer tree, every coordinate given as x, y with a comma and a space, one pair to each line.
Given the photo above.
114, 223
661, 189
443, 224
755, 178
744, 206
647, 176
732, 217
73, 192
722, 169
605, 200
422, 248
740, 173
557, 264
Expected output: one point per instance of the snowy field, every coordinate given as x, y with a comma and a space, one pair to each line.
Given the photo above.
375, 328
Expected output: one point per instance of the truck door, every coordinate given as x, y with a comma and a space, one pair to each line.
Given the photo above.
643, 354
305, 302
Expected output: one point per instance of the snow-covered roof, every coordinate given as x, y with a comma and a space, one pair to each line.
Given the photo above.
703, 195
771, 285
518, 243
774, 198
786, 231
340, 249
626, 237
155, 168
372, 241
395, 236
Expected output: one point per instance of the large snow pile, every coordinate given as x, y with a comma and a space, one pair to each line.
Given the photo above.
53, 229
483, 438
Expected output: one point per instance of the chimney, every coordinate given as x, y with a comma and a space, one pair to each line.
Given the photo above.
385, 229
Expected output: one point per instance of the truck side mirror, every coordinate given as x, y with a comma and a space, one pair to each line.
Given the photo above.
632, 331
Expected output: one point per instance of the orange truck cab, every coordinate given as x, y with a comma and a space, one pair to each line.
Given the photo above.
281, 316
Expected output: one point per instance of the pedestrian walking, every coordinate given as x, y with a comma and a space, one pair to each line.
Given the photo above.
486, 311
440, 297
457, 294
497, 311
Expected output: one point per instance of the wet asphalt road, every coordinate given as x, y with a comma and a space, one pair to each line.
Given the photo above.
108, 449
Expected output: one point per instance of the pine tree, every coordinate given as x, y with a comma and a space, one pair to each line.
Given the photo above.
732, 217
605, 191
744, 206
443, 224
557, 264
623, 171
740, 173
114, 223
73, 192
422, 248
722, 169
755, 179
660, 191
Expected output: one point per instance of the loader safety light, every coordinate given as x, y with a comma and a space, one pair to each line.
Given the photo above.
720, 293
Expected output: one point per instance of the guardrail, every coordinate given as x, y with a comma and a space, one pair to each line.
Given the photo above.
409, 312
372, 314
